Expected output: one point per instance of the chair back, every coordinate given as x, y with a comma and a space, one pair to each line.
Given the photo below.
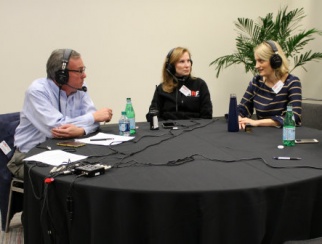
8, 125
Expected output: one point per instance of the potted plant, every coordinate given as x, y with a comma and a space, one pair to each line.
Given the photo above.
284, 29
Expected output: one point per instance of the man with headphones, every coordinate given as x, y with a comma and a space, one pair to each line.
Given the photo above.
271, 90
57, 106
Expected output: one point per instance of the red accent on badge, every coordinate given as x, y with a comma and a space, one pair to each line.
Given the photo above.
193, 93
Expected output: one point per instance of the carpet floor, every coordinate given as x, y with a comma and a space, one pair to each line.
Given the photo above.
15, 233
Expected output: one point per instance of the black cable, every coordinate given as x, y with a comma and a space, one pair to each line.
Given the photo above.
192, 157
159, 142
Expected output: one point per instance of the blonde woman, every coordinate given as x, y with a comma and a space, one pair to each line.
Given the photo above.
271, 90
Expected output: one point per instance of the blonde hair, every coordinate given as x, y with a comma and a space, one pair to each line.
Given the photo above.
168, 84
264, 51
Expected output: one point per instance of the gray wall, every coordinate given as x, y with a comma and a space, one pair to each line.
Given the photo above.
124, 44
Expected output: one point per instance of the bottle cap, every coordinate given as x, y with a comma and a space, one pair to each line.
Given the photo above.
280, 146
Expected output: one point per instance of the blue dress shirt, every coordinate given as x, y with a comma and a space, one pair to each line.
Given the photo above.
40, 113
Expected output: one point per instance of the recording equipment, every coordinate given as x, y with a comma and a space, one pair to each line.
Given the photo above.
92, 170
275, 60
84, 88
62, 75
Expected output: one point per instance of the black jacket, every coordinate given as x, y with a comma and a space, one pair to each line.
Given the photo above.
176, 106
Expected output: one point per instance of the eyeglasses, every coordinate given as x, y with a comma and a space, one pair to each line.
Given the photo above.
81, 70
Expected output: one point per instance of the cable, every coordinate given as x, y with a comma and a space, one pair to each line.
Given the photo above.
192, 157
159, 142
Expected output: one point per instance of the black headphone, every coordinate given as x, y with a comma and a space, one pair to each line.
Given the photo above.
169, 67
275, 60
62, 75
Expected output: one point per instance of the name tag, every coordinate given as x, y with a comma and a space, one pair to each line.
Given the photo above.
5, 147
278, 86
185, 91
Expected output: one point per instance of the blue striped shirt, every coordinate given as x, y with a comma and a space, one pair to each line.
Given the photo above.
268, 104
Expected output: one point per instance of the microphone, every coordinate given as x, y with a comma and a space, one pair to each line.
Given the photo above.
173, 76
84, 88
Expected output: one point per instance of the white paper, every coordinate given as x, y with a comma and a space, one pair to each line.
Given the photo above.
55, 157
106, 139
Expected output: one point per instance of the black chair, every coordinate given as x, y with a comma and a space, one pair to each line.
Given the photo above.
312, 115
8, 124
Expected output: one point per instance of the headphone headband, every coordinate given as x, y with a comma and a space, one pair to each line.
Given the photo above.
272, 45
66, 58
275, 60
62, 75
169, 67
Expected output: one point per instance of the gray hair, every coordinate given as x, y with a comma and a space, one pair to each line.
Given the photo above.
54, 62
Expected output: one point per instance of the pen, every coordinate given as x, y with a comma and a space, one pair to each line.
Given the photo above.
101, 139
44, 147
287, 158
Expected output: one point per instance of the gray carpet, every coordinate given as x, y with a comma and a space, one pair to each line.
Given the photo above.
15, 234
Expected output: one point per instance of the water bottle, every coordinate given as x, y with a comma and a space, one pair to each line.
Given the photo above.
289, 128
233, 125
124, 125
131, 115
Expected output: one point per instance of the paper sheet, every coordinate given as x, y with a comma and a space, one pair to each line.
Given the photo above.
105, 139
55, 157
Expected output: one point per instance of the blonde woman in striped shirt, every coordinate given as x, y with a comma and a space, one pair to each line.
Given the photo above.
271, 90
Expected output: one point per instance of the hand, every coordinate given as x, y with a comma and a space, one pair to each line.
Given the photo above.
103, 115
67, 131
246, 121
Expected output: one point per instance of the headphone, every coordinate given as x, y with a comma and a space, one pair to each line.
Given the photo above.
62, 75
169, 67
275, 60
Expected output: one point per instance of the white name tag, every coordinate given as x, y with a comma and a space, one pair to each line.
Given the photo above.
185, 91
5, 148
278, 86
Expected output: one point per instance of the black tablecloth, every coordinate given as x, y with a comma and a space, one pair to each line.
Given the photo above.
198, 184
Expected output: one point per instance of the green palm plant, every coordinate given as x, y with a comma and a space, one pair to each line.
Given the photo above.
284, 29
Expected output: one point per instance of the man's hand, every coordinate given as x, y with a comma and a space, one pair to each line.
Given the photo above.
103, 115
67, 131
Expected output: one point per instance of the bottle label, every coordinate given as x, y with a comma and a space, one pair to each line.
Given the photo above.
132, 123
288, 133
124, 127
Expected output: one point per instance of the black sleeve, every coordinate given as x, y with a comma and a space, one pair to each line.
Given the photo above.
205, 102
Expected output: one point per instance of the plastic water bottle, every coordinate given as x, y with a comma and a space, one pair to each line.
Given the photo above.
124, 125
289, 128
131, 115
233, 125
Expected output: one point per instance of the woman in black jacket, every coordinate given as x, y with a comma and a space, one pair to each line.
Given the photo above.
180, 95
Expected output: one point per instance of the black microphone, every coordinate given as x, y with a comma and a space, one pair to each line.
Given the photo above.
84, 88
173, 76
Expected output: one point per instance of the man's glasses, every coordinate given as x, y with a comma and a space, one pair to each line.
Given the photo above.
81, 70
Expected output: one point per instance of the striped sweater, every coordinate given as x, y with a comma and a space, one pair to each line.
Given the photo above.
268, 104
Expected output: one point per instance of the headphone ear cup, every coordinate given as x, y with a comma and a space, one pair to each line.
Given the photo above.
276, 61
61, 77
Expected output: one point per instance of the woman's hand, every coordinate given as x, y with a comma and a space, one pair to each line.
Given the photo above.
247, 121
258, 122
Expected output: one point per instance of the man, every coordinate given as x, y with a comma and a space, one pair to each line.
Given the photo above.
56, 107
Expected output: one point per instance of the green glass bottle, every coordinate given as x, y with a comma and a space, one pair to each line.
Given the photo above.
289, 128
130, 114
